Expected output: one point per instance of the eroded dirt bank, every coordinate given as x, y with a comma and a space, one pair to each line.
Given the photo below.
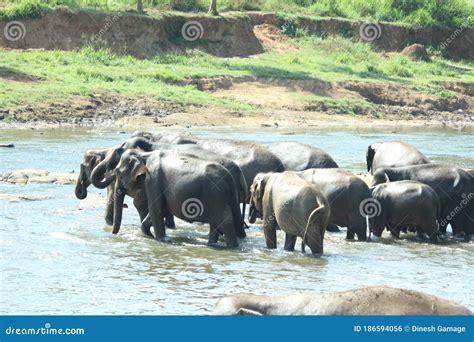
228, 35
277, 103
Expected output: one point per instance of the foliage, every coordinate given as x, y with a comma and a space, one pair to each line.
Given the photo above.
452, 13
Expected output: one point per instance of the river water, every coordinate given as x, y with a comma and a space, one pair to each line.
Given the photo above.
57, 256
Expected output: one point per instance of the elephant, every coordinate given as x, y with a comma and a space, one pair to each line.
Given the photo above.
180, 184
454, 187
146, 145
393, 154
366, 301
249, 156
406, 204
345, 193
288, 202
91, 159
297, 156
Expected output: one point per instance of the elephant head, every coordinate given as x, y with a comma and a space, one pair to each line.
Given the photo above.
91, 159
257, 190
102, 174
130, 175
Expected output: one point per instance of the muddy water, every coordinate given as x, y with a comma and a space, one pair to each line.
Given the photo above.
58, 257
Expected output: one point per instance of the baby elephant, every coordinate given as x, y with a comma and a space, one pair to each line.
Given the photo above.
406, 204
285, 201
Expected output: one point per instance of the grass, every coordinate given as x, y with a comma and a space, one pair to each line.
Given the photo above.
452, 13
65, 74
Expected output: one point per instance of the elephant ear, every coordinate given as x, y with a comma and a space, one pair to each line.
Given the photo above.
140, 171
260, 188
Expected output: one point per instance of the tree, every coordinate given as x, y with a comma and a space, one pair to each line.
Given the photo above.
140, 6
213, 8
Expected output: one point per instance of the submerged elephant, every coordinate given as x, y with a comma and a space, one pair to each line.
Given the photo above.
372, 301
406, 204
393, 154
345, 192
285, 201
182, 185
454, 187
297, 156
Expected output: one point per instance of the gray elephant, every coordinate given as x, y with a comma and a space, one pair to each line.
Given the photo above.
393, 154
454, 187
182, 185
285, 201
373, 301
406, 204
91, 159
113, 157
297, 156
249, 156
345, 193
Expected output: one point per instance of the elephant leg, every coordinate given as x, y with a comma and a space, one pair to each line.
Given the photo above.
157, 219
109, 207
350, 234
169, 222
270, 226
290, 242
223, 221
142, 209
360, 230
332, 228
213, 235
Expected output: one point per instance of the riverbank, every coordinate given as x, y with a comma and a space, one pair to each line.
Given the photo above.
295, 80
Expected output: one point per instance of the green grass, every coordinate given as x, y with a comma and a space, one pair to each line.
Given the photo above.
453, 13
64, 74
341, 106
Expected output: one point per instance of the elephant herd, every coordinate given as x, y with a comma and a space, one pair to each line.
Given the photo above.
289, 185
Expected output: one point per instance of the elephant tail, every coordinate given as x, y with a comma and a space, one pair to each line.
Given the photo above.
243, 192
318, 219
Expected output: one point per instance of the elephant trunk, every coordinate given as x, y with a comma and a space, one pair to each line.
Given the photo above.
81, 188
98, 174
119, 196
252, 214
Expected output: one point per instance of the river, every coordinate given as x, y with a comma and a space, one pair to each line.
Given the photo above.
57, 256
